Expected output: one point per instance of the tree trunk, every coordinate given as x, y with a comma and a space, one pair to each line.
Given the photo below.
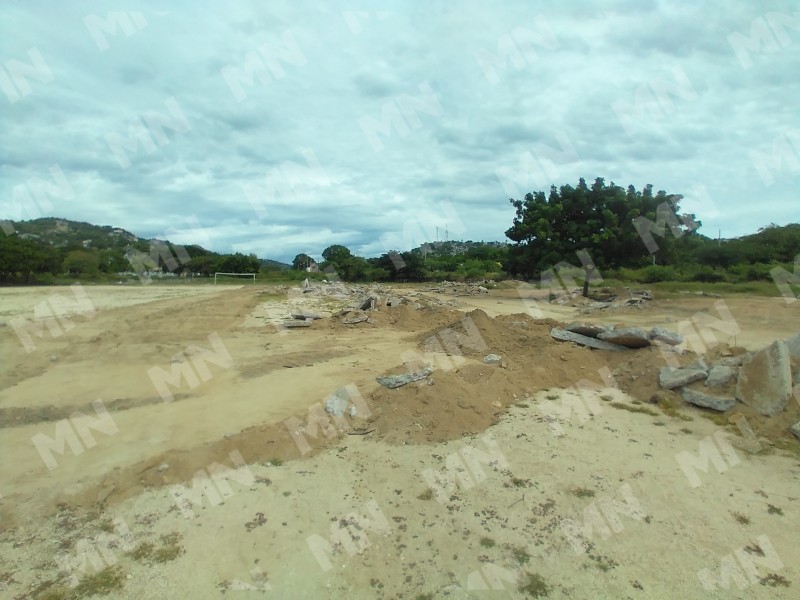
586, 277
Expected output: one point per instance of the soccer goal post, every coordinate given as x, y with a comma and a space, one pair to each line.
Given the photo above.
246, 275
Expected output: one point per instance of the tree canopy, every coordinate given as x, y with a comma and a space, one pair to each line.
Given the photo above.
598, 227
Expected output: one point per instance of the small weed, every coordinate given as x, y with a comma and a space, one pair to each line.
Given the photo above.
715, 418
774, 580
606, 398
522, 405
552, 396
170, 550
534, 585
487, 542
659, 423
106, 525
741, 519
426, 495
520, 555
517, 482
582, 492
686, 430
424, 596
276, 462
774, 510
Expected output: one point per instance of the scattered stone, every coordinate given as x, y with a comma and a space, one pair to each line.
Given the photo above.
337, 403
584, 340
630, 337
706, 401
765, 381
353, 412
396, 381
670, 378
795, 430
306, 316
492, 359
162, 467
600, 305
720, 376
296, 323
667, 337
367, 304
392, 302
483, 290
587, 329
355, 319
735, 361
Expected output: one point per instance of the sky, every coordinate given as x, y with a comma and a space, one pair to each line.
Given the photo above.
277, 128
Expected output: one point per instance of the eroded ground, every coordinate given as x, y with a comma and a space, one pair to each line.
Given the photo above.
459, 486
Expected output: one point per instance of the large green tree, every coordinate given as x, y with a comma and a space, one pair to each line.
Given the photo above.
301, 261
605, 226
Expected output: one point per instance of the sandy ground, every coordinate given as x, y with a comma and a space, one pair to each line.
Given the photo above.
468, 487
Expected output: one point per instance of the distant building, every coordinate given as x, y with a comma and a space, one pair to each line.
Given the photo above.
313, 267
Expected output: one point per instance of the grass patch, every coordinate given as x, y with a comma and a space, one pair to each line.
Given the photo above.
774, 580
103, 582
606, 398
487, 542
686, 430
715, 418
774, 510
143, 551
634, 409
276, 462
426, 495
534, 585
520, 555
522, 405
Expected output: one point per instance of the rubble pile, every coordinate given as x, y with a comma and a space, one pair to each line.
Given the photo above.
455, 288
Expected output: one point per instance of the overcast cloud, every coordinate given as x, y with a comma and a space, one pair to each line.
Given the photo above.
284, 127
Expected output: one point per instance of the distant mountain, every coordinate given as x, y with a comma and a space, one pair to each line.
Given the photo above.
63, 233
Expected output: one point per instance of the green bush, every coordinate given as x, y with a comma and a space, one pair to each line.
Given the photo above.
656, 273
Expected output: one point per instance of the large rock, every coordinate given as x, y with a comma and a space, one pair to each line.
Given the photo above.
720, 376
584, 340
660, 334
337, 403
492, 359
765, 381
368, 303
630, 337
670, 378
706, 401
395, 381
587, 329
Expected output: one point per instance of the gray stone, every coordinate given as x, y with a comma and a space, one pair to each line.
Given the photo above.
367, 304
793, 344
667, 337
670, 378
162, 467
765, 381
492, 359
305, 316
795, 430
706, 401
394, 302
355, 318
734, 361
631, 337
296, 323
584, 340
337, 403
586, 329
720, 376
396, 381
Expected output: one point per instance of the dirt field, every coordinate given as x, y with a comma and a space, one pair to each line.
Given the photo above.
171, 442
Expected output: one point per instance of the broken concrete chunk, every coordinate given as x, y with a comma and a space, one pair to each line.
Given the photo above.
584, 340
667, 337
706, 401
765, 381
720, 376
670, 378
630, 337
396, 381
587, 329
296, 323
306, 316
337, 403
492, 359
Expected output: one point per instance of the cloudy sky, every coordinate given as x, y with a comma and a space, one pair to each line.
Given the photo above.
284, 127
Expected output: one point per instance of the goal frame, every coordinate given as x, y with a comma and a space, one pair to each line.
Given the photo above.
253, 275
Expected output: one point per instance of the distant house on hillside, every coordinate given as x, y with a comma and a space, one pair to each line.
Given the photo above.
313, 267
